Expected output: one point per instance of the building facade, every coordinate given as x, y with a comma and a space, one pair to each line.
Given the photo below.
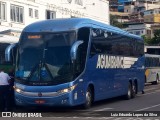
152, 16
16, 14
137, 29
144, 15
113, 5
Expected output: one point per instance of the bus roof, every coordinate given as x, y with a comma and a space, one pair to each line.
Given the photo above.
152, 47
67, 24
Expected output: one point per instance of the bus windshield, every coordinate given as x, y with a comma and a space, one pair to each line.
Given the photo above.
45, 57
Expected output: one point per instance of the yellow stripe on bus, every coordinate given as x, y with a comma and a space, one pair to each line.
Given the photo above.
147, 72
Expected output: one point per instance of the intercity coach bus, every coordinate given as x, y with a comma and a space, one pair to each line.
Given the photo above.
76, 61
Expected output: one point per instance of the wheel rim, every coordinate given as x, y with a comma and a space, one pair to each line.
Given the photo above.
88, 98
134, 88
129, 91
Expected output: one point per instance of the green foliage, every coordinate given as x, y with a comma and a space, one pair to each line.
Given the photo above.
152, 41
147, 40
114, 21
156, 38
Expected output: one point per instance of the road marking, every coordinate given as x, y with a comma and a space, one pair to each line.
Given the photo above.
149, 89
103, 109
106, 118
158, 90
149, 93
130, 119
148, 107
118, 119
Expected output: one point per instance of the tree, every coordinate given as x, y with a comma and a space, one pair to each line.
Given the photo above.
156, 38
152, 41
114, 21
147, 41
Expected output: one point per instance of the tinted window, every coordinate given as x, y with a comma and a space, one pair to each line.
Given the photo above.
107, 42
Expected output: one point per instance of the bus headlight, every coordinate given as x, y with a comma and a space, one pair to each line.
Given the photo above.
66, 90
17, 89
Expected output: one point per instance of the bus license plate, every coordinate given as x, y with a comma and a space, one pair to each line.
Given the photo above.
40, 101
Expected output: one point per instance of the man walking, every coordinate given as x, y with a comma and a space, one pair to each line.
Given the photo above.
4, 91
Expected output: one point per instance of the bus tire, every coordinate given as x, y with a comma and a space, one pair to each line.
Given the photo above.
134, 90
88, 99
157, 80
129, 92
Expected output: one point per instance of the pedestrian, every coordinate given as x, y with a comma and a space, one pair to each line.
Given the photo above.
4, 90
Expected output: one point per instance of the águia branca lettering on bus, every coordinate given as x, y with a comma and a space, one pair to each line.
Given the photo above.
107, 61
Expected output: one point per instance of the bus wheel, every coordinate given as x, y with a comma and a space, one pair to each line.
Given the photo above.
134, 90
88, 99
129, 92
157, 80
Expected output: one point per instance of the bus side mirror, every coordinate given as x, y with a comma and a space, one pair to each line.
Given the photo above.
74, 48
9, 52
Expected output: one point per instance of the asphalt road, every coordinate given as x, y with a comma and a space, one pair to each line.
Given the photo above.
143, 107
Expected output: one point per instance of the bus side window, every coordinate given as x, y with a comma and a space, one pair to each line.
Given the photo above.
100, 42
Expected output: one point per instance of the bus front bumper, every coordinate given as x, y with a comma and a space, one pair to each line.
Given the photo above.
65, 99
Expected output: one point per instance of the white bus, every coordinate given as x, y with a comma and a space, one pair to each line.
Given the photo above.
152, 50
152, 65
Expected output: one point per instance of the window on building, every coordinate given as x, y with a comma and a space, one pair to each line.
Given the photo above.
148, 32
17, 13
137, 32
79, 2
36, 14
2, 11
30, 12
51, 14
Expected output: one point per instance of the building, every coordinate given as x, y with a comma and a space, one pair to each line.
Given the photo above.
137, 29
137, 5
16, 14
113, 5
143, 29
143, 15
152, 16
120, 16
126, 4
151, 28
